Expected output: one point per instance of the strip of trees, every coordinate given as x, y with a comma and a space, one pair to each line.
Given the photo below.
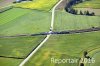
70, 9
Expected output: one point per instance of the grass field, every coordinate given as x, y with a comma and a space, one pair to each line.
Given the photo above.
95, 55
64, 46
9, 62
28, 22
18, 46
12, 14
89, 4
66, 21
38, 4
97, 59
94, 52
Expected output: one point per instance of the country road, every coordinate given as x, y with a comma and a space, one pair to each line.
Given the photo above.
41, 44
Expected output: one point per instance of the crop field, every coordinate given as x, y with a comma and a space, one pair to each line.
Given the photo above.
96, 56
9, 62
25, 22
64, 46
18, 46
10, 15
94, 52
38, 4
89, 4
65, 21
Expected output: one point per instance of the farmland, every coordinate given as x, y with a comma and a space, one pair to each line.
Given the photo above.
10, 15
89, 4
9, 62
38, 4
64, 46
34, 17
65, 21
96, 56
15, 47
12, 23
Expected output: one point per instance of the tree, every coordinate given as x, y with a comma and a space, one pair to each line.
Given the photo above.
66, 9
81, 1
76, 11
85, 53
87, 13
81, 13
92, 14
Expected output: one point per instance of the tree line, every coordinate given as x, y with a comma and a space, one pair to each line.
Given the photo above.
69, 8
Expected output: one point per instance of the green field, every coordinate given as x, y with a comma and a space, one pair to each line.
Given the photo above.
35, 17
97, 59
12, 14
89, 4
64, 46
9, 62
34, 21
94, 52
38, 4
65, 21
18, 46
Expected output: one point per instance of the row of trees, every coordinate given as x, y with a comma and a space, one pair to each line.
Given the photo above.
87, 13
69, 8
73, 2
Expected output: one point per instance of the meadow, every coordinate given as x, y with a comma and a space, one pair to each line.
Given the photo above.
64, 46
65, 21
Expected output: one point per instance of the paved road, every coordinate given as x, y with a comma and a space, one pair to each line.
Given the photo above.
51, 28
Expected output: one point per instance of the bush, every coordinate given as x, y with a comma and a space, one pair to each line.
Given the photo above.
81, 13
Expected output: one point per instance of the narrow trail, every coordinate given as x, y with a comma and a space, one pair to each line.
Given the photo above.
51, 28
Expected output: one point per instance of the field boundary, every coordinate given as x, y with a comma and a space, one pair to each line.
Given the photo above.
56, 32
11, 57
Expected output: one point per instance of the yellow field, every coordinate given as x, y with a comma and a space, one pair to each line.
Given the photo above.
38, 4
